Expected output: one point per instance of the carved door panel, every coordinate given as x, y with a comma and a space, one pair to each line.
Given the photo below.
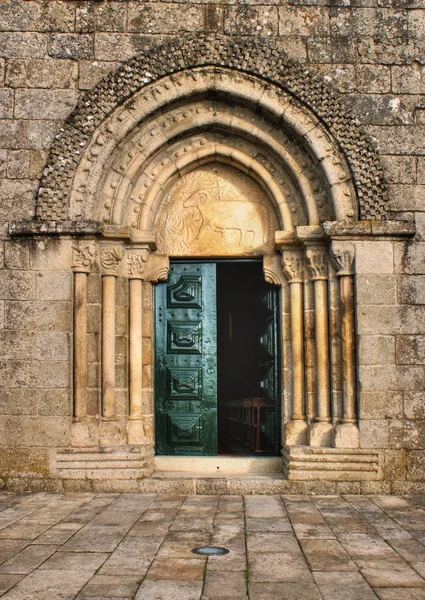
186, 361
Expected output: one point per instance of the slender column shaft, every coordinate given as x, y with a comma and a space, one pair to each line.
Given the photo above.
310, 350
108, 346
322, 350
135, 348
348, 348
80, 345
293, 268
297, 342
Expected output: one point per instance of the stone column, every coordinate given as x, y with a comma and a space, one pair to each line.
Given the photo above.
110, 258
321, 432
293, 268
347, 433
83, 259
136, 267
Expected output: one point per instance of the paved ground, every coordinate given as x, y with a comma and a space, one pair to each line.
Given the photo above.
110, 546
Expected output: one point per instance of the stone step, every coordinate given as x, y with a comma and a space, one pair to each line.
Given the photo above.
218, 464
334, 464
202, 483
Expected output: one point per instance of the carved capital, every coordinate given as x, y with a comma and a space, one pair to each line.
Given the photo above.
110, 259
317, 262
342, 257
272, 270
83, 257
293, 265
137, 262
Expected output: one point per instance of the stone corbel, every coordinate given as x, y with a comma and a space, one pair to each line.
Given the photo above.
158, 268
272, 270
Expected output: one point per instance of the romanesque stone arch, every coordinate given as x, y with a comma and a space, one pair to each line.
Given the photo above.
210, 147
130, 94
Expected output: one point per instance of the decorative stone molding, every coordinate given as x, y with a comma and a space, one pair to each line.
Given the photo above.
110, 259
317, 262
158, 268
342, 257
272, 270
293, 265
83, 257
137, 262
242, 55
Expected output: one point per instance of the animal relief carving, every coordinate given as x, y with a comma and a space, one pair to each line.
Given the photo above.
215, 210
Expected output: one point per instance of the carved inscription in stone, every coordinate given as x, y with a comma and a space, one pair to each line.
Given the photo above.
215, 210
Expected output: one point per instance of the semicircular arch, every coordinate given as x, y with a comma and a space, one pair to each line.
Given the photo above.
105, 116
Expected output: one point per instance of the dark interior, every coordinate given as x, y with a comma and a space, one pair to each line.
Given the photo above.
246, 326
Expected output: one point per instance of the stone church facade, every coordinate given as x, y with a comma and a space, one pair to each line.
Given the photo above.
145, 145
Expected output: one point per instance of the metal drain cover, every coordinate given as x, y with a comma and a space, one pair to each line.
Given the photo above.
210, 551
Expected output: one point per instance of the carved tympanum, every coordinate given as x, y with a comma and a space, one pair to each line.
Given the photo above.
215, 210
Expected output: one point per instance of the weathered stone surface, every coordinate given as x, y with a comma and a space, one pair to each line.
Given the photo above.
380, 405
169, 18
376, 350
49, 105
73, 46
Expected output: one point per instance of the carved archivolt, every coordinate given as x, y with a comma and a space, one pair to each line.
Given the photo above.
308, 148
129, 170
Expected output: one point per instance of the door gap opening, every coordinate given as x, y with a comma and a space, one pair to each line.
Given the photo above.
247, 390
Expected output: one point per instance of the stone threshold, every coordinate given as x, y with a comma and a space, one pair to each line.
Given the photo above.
218, 465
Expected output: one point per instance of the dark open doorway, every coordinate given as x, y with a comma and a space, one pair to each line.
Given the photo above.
247, 353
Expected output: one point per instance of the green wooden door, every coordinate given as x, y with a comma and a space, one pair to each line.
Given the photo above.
186, 361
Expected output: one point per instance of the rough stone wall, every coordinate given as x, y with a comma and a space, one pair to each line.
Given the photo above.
50, 51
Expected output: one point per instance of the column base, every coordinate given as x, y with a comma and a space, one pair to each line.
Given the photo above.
347, 435
321, 435
84, 433
136, 431
296, 433
112, 433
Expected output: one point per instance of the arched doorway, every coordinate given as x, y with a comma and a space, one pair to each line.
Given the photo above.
137, 180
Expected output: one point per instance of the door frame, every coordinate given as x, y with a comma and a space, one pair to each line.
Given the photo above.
278, 401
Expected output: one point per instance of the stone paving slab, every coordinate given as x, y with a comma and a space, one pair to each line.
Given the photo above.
138, 546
